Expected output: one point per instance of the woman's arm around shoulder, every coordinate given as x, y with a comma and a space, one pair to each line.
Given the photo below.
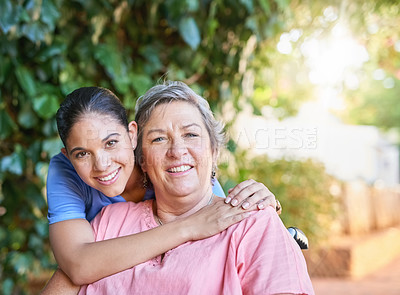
60, 284
86, 261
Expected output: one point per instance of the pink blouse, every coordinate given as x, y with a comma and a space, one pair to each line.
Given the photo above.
255, 256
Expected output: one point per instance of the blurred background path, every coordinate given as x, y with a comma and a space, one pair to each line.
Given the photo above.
385, 280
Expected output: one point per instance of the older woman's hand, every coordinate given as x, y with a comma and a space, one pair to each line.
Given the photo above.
251, 193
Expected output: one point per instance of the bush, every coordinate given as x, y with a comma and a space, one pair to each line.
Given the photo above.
302, 187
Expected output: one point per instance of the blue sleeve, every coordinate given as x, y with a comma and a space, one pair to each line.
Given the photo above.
217, 189
69, 197
64, 191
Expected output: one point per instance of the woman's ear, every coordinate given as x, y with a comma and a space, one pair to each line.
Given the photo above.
132, 130
64, 151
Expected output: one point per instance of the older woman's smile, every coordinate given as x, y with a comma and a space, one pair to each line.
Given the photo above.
178, 169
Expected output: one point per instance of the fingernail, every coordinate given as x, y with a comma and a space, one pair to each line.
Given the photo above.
260, 206
228, 199
234, 202
245, 205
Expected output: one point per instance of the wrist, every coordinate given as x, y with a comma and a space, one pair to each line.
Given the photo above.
182, 228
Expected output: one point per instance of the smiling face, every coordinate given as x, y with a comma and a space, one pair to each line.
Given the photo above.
101, 151
177, 152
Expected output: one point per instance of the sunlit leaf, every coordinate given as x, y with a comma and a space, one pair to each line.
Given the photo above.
248, 4
192, 5
265, 6
14, 163
52, 146
41, 170
34, 31
9, 15
49, 13
189, 32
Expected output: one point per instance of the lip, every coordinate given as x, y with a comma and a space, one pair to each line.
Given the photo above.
109, 181
179, 169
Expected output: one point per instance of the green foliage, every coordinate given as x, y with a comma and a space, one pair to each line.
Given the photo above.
375, 105
302, 187
49, 48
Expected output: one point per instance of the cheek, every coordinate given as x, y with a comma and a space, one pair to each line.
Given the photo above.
83, 169
125, 156
152, 157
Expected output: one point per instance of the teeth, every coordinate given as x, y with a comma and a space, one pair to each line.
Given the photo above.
180, 168
109, 177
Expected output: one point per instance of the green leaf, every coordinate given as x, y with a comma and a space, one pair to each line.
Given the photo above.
265, 6
49, 14
282, 4
9, 15
26, 117
14, 163
42, 228
7, 286
190, 32
21, 262
192, 5
41, 169
52, 146
3, 237
45, 105
26, 80
249, 5
17, 238
35, 31
5, 66
7, 125
54, 49
141, 83
231, 146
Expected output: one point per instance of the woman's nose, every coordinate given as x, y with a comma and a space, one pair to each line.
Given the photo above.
102, 162
177, 148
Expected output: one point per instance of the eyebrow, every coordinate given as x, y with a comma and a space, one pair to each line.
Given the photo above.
160, 130
103, 140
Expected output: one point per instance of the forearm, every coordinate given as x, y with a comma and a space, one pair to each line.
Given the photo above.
91, 261
86, 261
60, 284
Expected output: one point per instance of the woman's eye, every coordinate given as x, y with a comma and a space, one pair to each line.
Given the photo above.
158, 139
81, 155
111, 143
191, 135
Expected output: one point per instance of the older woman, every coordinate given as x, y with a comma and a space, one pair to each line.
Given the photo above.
178, 145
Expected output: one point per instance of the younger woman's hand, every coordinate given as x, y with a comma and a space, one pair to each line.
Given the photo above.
252, 194
212, 219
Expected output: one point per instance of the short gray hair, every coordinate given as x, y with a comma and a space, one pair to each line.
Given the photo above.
171, 91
